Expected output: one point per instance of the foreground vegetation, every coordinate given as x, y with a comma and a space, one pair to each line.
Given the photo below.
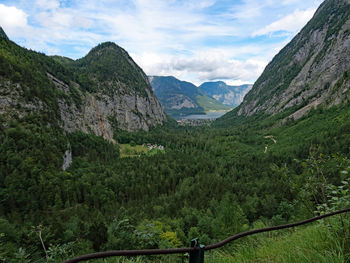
321, 242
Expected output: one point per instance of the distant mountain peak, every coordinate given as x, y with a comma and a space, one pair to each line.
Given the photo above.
109, 62
104, 45
106, 48
3, 34
228, 95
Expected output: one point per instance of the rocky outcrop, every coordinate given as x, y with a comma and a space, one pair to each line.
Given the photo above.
97, 114
67, 159
13, 103
101, 114
313, 69
117, 95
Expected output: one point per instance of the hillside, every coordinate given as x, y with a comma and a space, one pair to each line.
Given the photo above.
180, 98
97, 94
228, 95
312, 70
2, 33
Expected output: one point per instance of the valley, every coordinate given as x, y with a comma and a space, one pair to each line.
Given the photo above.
96, 156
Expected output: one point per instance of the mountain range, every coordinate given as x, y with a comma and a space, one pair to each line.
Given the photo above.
181, 98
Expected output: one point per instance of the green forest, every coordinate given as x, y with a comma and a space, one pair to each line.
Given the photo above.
209, 182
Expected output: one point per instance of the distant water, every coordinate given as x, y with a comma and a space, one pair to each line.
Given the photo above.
209, 115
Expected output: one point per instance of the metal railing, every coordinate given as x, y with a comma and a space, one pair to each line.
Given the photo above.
196, 250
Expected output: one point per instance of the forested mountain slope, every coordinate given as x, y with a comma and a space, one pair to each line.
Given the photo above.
313, 69
97, 94
180, 98
2, 33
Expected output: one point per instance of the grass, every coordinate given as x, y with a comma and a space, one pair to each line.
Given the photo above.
126, 150
316, 243
144, 259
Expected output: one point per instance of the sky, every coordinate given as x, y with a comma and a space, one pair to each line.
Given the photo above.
193, 40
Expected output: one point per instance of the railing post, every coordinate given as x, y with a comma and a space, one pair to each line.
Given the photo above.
197, 256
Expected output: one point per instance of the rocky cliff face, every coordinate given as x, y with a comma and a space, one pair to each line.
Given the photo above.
313, 69
120, 94
100, 114
98, 94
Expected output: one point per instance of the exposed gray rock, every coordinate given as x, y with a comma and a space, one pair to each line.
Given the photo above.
67, 159
97, 113
13, 103
316, 59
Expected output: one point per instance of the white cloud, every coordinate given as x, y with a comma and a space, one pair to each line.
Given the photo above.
290, 23
63, 18
157, 25
234, 70
202, 66
12, 18
48, 4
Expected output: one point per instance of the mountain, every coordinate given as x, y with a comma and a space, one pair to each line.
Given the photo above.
228, 95
180, 98
99, 94
3, 34
312, 70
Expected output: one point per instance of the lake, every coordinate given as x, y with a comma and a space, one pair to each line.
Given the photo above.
209, 115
